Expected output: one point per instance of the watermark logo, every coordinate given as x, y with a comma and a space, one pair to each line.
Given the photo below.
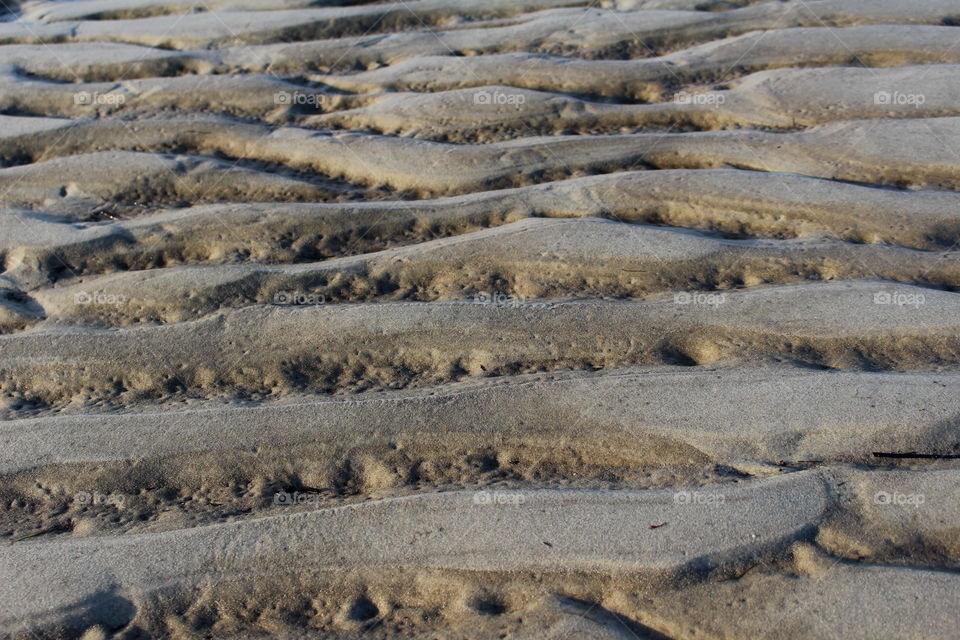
286, 499
710, 98
504, 300
292, 98
97, 98
897, 98
498, 97
98, 297
698, 497
696, 297
899, 299
95, 499
899, 499
298, 298
499, 498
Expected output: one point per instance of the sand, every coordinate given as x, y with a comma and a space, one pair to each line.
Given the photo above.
479, 319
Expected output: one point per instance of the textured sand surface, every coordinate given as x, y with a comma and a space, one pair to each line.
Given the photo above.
632, 319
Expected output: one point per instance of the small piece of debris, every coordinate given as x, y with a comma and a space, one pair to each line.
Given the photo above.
914, 454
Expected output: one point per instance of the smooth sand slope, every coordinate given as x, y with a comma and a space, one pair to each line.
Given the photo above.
479, 319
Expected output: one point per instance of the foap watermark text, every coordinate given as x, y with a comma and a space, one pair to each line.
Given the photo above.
899, 299
97, 98
710, 98
698, 297
498, 97
504, 300
499, 498
298, 298
896, 98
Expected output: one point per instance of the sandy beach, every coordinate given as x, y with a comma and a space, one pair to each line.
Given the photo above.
449, 319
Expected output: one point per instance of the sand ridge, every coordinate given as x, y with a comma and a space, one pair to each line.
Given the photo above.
467, 318
375, 161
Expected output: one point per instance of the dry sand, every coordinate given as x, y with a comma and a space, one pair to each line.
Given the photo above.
480, 319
